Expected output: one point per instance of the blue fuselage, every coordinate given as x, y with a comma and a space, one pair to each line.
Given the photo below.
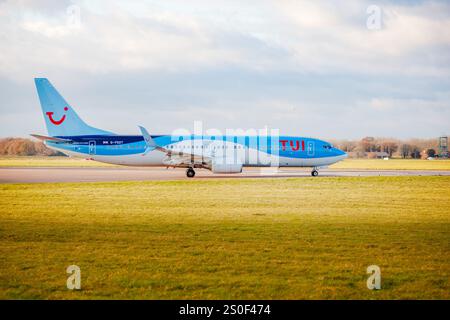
122, 149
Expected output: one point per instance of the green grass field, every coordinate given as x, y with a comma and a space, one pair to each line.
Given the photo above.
293, 238
392, 164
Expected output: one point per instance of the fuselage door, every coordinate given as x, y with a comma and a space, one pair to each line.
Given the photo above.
92, 147
310, 148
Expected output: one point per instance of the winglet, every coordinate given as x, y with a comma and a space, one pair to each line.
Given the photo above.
148, 139
151, 144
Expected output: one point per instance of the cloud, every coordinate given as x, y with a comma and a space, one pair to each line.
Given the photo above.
328, 38
307, 67
304, 36
118, 40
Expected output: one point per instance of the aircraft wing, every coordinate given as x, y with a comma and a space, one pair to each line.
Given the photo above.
173, 158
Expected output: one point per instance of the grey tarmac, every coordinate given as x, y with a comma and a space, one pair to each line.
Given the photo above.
75, 174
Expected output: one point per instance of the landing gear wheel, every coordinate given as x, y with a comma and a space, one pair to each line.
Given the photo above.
314, 173
190, 173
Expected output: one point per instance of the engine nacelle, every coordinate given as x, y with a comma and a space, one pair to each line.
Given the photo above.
226, 168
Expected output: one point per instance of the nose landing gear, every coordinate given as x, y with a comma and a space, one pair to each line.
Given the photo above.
190, 173
314, 173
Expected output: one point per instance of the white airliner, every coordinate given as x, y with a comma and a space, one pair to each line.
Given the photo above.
70, 135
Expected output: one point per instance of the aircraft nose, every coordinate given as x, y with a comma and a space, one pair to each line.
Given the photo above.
341, 154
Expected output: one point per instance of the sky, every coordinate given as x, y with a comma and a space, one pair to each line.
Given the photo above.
326, 69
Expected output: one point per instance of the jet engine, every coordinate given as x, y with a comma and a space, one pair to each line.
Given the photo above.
226, 167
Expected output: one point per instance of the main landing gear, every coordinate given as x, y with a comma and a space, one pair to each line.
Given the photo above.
314, 173
190, 173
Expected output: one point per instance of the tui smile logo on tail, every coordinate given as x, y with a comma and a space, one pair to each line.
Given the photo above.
56, 122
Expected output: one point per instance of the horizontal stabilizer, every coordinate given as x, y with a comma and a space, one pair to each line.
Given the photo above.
45, 138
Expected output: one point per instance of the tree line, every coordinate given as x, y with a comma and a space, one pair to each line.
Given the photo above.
371, 147
366, 147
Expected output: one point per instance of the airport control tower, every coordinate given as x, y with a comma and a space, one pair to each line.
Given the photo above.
443, 147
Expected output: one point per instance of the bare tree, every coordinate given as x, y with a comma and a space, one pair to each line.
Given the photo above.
405, 149
24, 147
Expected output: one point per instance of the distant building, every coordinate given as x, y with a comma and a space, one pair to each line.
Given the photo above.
377, 155
369, 155
443, 147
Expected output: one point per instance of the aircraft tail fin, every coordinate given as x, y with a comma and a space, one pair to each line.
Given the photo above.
60, 118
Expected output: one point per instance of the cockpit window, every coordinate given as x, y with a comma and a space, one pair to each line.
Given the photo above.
327, 146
